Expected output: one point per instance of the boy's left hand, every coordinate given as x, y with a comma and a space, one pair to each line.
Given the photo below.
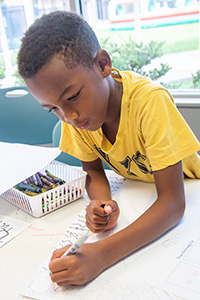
100, 217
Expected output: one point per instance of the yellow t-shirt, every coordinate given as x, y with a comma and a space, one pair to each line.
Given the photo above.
152, 134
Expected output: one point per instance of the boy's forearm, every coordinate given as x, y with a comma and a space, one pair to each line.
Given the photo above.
153, 223
165, 213
97, 186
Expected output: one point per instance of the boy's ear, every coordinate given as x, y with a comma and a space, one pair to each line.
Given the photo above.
103, 62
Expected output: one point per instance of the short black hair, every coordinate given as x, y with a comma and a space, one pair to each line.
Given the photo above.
60, 33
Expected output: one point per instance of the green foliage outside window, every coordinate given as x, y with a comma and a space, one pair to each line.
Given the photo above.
2, 72
196, 79
18, 79
130, 55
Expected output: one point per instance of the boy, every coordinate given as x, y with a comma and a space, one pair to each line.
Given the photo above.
120, 117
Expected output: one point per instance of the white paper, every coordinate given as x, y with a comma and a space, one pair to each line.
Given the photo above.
10, 228
19, 161
103, 287
41, 286
127, 279
181, 274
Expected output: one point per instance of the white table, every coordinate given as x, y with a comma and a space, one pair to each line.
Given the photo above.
22, 256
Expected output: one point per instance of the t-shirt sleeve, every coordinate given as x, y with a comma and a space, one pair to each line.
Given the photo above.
167, 137
73, 143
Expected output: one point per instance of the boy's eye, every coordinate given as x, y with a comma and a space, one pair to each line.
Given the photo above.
50, 110
74, 96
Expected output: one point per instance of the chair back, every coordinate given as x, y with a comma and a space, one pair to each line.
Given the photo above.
23, 119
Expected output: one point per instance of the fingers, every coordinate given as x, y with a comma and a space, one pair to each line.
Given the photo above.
57, 264
59, 252
108, 209
101, 216
59, 267
97, 224
112, 209
60, 273
96, 218
96, 208
75, 269
60, 278
111, 206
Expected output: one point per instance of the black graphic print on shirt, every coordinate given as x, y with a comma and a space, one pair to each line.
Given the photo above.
106, 157
137, 159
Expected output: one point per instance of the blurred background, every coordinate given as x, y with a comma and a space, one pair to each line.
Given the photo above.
156, 38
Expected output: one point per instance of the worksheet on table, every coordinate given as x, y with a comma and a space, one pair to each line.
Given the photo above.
41, 287
104, 287
126, 279
10, 228
181, 274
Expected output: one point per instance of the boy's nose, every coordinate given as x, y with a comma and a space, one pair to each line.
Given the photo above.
69, 116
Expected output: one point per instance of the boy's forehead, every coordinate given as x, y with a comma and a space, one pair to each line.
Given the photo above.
53, 65
54, 79
55, 71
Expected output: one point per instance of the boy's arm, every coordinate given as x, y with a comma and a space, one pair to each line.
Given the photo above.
92, 259
165, 213
97, 184
98, 189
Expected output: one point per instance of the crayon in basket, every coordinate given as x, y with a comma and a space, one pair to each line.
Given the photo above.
39, 183
38, 197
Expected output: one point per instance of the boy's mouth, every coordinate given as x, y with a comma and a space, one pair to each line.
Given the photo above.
83, 126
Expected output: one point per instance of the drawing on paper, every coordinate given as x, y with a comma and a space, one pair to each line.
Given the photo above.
103, 287
4, 230
9, 228
189, 268
41, 287
181, 275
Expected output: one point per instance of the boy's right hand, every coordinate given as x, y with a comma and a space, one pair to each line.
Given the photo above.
100, 218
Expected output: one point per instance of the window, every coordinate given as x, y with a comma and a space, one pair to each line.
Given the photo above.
170, 28
174, 27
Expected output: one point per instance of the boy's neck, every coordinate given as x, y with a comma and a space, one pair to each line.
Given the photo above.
111, 124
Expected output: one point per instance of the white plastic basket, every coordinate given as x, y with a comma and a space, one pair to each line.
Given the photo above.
44, 203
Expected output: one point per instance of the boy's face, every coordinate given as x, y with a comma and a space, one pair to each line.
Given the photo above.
78, 96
